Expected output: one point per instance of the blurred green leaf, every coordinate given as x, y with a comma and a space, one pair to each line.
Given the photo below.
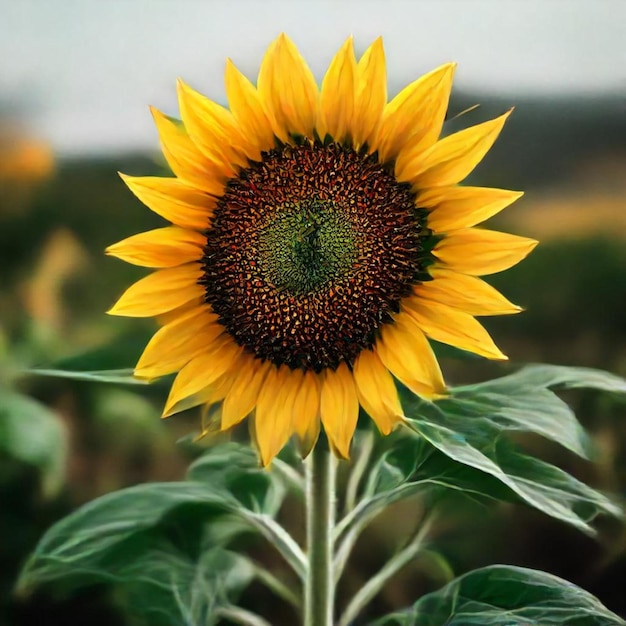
121, 376
505, 596
121, 352
111, 363
123, 407
32, 433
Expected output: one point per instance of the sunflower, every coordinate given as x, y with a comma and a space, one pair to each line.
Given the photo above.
319, 238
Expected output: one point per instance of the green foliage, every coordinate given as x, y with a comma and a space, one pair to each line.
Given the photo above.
460, 444
121, 352
105, 364
470, 427
167, 543
119, 376
110, 363
506, 596
233, 471
33, 434
172, 545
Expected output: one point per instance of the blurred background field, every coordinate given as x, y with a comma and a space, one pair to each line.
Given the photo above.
63, 443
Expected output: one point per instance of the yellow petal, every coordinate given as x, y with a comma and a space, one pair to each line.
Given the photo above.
377, 392
174, 200
339, 409
288, 90
202, 371
413, 120
451, 208
244, 393
480, 252
306, 413
174, 314
466, 293
245, 105
406, 353
160, 291
273, 422
218, 390
184, 158
337, 95
178, 342
451, 326
163, 247
371, 93
213, 129
207, 396
451, 159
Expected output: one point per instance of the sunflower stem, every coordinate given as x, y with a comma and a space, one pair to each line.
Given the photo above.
320, 514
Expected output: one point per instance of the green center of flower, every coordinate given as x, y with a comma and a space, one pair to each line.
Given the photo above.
310, 252
306, 246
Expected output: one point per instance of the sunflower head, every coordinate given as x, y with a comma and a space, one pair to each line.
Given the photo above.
318, 238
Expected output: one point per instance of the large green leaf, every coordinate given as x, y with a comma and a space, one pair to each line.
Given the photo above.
104, 534
470, 427
506, 596
525, 401
412, 460
171, 587
539, 484
234, 470
168, 542
461, 445
541, 375
32, 433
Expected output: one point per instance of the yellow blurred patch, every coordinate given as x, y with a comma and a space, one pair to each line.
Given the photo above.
24, 159
61, 257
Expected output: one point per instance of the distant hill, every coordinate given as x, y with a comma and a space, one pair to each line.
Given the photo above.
545, 140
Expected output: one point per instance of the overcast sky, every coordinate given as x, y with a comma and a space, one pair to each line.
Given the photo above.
84, 71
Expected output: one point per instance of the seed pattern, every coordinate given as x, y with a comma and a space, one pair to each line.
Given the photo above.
310, 251
306, 246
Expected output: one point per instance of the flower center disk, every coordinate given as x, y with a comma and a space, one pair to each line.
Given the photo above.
309, 252
306, 246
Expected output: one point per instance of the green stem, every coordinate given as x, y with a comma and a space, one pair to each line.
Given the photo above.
241, 616
364, 452
373, 586
320, 517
